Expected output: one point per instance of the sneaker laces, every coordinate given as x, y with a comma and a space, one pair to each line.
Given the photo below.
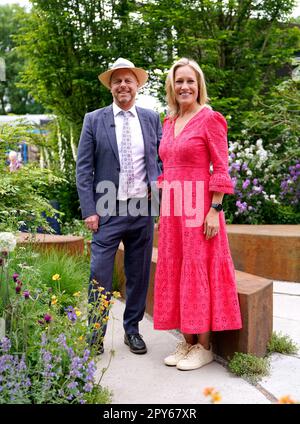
181, 348
194, 351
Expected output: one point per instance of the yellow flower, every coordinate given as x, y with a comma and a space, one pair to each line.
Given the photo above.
116, 294
286, 400
105, 319
54, 302
77, 294
97, 325
216, 397
77, 312
100, 289
55, 277
80, 338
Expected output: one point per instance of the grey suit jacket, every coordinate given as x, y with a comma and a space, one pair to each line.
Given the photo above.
98, 157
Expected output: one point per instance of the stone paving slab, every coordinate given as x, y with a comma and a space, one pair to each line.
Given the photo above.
290, 327
286, 306
287, 288
284, 377
136, 379
144, 379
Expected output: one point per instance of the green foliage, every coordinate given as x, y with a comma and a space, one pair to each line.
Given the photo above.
264, 163
12, 97
46, 343
77, 228
249, 366
282, 343
73, 272
22, 192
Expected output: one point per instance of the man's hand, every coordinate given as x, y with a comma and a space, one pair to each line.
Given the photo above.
92, 222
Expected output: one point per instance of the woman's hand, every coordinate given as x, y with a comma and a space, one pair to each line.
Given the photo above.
211, 224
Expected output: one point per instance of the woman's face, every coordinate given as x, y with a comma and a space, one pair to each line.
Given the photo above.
186, 86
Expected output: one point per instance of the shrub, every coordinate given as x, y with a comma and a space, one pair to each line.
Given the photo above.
249, 366
282, 344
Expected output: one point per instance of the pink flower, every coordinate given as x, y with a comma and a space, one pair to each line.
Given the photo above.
47, 318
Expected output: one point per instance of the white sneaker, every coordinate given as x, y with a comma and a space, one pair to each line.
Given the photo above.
181, 350
196, 357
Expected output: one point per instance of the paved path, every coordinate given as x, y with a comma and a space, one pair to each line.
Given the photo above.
144, 379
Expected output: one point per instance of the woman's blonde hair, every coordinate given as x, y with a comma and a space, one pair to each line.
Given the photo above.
202, 98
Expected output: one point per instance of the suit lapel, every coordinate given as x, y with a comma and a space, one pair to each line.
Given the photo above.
144, 121
109, 125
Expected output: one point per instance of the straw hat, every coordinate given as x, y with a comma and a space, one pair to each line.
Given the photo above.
121, 63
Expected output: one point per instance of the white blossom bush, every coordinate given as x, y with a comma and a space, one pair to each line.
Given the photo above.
264, 191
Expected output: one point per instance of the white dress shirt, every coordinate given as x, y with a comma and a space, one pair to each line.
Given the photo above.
138, 152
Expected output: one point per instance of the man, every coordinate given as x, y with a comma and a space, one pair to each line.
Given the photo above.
118, 152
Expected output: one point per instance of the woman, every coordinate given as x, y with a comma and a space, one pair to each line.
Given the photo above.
195, 289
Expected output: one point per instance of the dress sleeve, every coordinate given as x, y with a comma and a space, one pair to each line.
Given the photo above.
218, 149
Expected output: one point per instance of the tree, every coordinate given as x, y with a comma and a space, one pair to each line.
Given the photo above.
240, 45
13, 98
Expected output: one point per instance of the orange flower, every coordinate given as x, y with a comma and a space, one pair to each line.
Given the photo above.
97, 325
286, 400
208, 391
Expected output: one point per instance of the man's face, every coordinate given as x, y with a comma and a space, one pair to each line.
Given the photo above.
123, 87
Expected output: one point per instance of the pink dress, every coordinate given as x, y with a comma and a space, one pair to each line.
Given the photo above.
195, 288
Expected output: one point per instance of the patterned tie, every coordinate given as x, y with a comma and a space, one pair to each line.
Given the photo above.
127, 173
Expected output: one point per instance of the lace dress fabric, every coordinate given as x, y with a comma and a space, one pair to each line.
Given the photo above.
195, 288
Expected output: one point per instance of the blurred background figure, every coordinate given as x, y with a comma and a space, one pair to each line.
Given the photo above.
14, 161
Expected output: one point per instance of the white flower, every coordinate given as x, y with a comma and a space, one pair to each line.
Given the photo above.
259, 142
7, 242
249, 172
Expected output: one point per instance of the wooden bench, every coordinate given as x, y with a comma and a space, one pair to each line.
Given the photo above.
70, 244
256, 302
271, 251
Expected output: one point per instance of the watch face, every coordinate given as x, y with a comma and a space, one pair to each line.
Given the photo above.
217, 206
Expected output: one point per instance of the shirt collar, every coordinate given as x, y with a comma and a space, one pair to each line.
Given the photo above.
117, 109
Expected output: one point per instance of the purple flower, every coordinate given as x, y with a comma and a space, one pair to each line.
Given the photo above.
241, 206
15, 277
18, 289
255, 181
236, 166
245, 184
234, 181
5, 344
47, 318
244, 166
41, 321
26, 294
71, 313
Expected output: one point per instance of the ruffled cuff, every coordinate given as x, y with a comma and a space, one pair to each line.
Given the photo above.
221, 183
160, 180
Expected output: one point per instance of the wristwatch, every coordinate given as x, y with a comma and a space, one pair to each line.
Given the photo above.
217, 206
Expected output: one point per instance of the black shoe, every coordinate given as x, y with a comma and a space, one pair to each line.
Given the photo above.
136, 343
